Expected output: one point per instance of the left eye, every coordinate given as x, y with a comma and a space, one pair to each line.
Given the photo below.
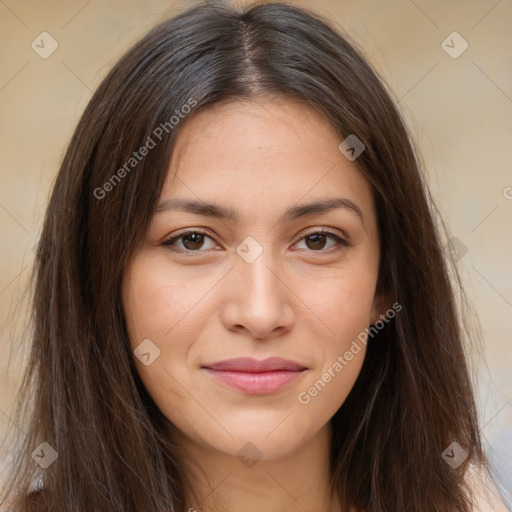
317, 240
193, 241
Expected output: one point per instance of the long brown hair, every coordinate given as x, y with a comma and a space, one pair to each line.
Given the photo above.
81, 393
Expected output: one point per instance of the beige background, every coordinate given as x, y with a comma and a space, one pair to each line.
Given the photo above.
459, 111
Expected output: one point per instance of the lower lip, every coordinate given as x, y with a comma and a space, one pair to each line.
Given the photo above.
255, 383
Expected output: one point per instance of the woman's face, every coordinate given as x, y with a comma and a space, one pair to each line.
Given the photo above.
254, 278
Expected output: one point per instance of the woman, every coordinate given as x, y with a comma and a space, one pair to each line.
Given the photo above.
241, 300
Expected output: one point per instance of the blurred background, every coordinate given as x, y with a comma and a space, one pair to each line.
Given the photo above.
448, 65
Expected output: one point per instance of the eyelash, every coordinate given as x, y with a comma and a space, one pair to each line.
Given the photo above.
168, 243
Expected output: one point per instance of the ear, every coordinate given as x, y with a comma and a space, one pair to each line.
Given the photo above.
382, 302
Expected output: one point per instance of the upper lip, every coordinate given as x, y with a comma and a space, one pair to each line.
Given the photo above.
247, 364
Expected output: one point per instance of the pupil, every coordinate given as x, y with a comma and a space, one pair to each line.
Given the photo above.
197, 239
316, 238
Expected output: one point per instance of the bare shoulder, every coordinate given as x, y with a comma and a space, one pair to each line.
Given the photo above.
486, 495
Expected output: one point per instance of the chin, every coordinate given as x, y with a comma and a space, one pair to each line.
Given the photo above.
258, 441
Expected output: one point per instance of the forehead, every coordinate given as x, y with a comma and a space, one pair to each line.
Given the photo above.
271, 153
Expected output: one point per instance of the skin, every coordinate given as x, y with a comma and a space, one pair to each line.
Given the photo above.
303, 299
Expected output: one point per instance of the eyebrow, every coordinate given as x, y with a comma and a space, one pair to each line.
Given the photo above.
294, 212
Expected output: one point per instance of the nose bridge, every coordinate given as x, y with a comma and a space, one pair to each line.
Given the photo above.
254, 272
259, 301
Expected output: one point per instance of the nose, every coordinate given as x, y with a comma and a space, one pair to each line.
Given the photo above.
258, 299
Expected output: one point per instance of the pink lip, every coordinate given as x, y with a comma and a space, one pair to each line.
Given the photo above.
255, 377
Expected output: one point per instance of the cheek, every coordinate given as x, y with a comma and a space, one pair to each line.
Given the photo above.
344, 305
326, 391
157, 302
166, 308
342, 357
156, 309
343, 302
